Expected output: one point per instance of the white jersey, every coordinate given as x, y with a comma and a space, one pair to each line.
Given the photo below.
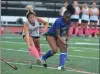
75, 16
94, 17
63, 10
33, 29
85, 15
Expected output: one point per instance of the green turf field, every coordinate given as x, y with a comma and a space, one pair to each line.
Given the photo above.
83, 56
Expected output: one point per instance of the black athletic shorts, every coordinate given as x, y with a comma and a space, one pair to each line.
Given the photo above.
84, 21
33, 36
93, 21
50, 34
74, 20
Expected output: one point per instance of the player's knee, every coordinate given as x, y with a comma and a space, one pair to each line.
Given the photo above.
63, 51
54, 51
32, 44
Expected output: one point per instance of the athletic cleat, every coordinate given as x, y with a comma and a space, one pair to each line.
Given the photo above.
38, 61
44, 62
45, 65
61, 68
30, 65
68, 59
95, 36
90, 36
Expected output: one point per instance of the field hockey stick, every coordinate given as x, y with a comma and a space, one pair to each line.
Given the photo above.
67, 49
14, 67
30, 63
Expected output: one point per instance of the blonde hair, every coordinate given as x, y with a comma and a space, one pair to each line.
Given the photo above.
85, 5
30, 10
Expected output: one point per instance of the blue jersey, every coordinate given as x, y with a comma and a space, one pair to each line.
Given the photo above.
59, 24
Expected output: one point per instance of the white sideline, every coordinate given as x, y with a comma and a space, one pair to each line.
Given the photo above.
78, 71
47, 45
76, 43
55, 54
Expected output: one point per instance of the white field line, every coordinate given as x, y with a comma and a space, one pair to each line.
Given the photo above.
78, 71
74, 47
80, 43
79, 50
41, 38
18, 38
11, 37
76, 43
46, 45
55, 54
84, 48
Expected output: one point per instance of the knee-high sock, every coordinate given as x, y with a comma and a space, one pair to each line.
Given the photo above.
95, 31
86, 32
71, 31
81, 31
62, 59
76, 30
39, 51
90, 31
33, 51
47, 55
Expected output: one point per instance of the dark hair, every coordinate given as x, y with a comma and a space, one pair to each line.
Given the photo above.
71, 9
20, 21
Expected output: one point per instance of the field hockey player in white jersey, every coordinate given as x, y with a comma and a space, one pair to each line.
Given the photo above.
84, 20
63, 9
75, 19
31, 33
94, 13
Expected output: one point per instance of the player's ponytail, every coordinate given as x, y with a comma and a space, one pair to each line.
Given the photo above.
29, 7
30, 10
71, 9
